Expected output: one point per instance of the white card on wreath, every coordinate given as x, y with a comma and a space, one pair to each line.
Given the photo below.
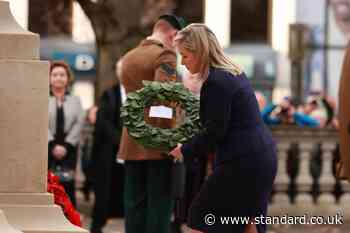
161, 112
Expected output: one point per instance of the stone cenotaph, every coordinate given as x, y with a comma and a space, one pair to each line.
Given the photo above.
24, 91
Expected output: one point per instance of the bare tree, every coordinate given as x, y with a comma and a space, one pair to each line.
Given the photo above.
119, 25
192, 11
51, 18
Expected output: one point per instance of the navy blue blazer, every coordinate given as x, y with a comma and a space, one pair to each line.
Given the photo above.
231, 119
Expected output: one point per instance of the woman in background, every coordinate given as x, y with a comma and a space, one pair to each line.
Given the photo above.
66, 119
86, 150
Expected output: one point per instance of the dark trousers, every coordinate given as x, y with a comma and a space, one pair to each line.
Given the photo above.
148, 203
108, 188
69, 187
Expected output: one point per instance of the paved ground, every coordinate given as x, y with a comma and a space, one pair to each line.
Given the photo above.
116, 225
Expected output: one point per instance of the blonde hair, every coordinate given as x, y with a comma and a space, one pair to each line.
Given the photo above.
201, 41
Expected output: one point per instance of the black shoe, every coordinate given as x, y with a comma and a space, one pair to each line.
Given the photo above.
96, 231
87, 196
175, 228
86, 193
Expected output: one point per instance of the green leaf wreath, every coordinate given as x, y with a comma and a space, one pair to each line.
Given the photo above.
132, 114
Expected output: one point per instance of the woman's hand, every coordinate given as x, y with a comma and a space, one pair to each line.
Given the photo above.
59, 152
176, 152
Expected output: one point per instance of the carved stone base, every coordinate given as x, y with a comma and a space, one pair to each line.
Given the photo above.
303, 199
5, 227
280, 202
326, 199
35, 213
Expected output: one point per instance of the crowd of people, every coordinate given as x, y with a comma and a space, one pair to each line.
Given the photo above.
133, 182
318, 111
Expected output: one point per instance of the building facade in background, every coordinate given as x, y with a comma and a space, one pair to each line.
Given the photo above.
66, 34
249, 30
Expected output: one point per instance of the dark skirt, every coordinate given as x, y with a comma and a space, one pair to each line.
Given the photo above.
195, 176
240, 188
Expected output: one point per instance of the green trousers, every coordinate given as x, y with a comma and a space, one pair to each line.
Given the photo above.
147, 200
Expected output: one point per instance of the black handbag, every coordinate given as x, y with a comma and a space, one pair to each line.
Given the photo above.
178, 175
64, 174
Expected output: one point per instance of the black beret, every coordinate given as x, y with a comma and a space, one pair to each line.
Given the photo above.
175, 21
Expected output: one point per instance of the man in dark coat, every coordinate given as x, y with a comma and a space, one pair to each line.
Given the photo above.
107, 175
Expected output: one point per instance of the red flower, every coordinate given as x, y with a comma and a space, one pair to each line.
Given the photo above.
61, 198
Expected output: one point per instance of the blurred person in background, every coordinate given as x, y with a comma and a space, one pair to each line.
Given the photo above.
341, 10
322, 108
107, 175
315, 109
66, 119
285, 113
260, 97
332, 112
86, 149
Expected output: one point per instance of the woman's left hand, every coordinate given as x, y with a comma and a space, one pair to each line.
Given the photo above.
176, 152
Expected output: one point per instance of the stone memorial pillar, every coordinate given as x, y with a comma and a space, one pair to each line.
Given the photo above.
5, 227
24, 91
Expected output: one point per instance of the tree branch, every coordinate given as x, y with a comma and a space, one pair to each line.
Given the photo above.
94, 11
90, 8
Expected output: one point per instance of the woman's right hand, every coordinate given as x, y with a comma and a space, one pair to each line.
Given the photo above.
59, 152
176, 153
